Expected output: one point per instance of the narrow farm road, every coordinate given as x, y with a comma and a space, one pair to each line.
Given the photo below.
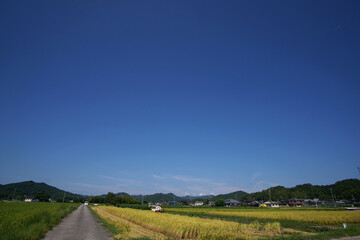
81, 224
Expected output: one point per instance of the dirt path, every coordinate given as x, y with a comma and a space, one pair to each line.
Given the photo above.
129, 229
80, 224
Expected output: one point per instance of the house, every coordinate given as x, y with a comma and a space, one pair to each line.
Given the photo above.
271, 204
295, 202
198, 203
172, 203
28, 200
231, 202
254, 204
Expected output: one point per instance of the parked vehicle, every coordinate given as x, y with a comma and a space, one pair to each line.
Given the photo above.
157, 209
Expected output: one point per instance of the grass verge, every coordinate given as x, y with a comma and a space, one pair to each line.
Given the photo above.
114, 231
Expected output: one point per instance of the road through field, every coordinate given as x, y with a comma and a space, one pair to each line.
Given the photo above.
80, 224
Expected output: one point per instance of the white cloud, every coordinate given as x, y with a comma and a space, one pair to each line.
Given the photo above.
158, 177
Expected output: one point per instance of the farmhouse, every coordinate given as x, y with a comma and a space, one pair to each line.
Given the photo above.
172, 203
198, 203
295, 202
231, 202
271, 204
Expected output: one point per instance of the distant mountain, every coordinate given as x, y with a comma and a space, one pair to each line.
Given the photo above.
348, 189
197, 197
120, 194
234, 195
29, 189
158, 197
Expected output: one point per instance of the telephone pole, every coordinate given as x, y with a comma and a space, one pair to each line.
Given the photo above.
14, 194
333, 197
269, 195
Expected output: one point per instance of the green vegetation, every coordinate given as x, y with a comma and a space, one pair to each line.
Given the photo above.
343, 190
158, 197
30, 221
112, 199
42, 196
220, 203
233, 195
29, 189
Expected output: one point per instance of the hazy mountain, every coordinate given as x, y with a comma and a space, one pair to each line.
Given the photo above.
198, 197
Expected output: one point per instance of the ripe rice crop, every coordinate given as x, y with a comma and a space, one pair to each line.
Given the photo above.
30, 220
328, 217
185, 227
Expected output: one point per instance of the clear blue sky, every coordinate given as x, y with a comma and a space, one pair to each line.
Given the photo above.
189, 97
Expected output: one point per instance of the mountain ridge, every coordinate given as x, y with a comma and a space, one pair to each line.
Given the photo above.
348, 189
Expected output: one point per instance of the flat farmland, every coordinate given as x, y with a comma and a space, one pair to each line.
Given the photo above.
20, 220
296, 223
320, 216
233, 223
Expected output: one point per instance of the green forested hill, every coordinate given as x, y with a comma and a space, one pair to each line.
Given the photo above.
29, 189
158, 197
234, 195
342, 190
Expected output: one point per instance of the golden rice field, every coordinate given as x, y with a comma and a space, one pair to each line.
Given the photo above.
185, 227
329, 217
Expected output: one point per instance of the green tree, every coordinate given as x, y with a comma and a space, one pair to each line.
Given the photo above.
42, 196
220, 203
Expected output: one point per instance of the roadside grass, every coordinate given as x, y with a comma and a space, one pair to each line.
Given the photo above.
31, 221
115, 231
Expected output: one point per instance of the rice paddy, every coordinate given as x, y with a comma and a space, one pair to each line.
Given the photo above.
233, 223
185, 227
30, 221
328, 217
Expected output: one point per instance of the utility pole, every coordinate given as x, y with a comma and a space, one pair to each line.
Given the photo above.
269, 195
333, 197
14, 194
142, 199
358, 169
64, 196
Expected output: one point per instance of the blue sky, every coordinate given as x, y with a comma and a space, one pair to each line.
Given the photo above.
189, 97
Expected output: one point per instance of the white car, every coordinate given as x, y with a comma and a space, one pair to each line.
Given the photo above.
157, 209
86, 203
